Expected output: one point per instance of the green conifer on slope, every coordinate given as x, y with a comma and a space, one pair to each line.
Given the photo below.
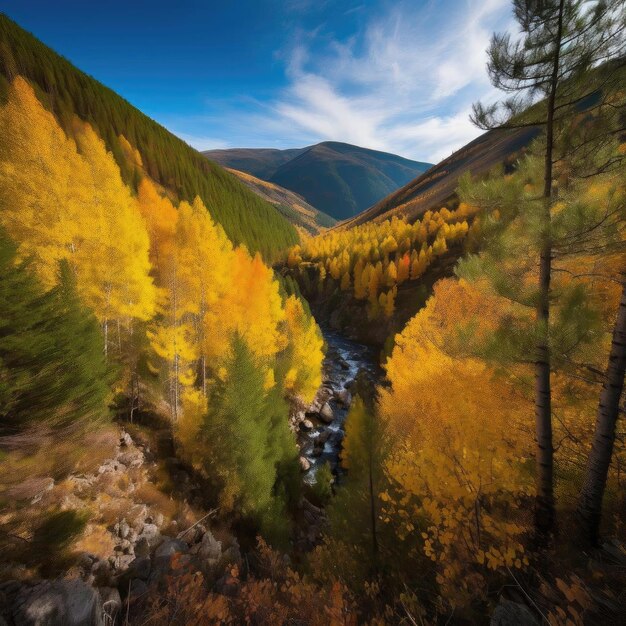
53, 374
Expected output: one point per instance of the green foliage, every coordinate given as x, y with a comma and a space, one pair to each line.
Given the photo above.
53, 373
246, 218
248, 440
323, 487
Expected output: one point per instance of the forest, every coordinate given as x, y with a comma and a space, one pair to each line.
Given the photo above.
176, 446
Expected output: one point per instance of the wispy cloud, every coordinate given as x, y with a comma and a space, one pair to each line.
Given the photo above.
403, 81
406, 84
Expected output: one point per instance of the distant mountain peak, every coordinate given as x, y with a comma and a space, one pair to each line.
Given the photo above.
337, 178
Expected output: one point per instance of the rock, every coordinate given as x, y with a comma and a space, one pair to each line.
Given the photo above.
126, 440
510, 613
323, 437
210, 548
58, 603
306, 425
170, 547
140, 568
122, 529
326, 413
133, 458
349, 384
111, 466
150, 533
305, 464
122, 562
142, 547
111, 603
344, 397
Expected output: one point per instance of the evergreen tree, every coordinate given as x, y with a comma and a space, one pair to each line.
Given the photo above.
246, 434
53, 374
561, 41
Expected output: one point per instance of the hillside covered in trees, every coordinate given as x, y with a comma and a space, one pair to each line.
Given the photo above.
67, 92
188, 433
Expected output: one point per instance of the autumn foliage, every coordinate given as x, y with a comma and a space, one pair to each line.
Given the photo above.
370, 261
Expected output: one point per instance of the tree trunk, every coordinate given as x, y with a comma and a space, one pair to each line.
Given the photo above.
373, 508
589, 509
544, 509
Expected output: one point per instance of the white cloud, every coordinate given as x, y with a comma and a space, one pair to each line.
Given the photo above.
200, 142
404, 85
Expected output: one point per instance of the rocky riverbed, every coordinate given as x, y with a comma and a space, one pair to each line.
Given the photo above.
321, 425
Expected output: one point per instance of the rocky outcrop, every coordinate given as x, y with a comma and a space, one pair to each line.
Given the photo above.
59, 602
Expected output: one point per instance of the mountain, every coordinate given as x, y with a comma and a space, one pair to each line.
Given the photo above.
168, 160
260, 162
436, 187
337, 178
294, 207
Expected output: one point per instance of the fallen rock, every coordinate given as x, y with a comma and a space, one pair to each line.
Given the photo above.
306, 425
58, 603
125, 439
111, 466
210, 549
305, 464
150, 532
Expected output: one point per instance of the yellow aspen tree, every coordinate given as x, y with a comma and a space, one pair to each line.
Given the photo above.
306, 351
43, 182
160, 217
112, 262
391, 274
205, 256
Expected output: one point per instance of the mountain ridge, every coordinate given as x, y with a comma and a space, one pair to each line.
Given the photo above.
337, 178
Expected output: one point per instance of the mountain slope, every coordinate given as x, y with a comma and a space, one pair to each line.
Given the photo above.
67, 91
337, 178
260, 162
437, 186
294, 207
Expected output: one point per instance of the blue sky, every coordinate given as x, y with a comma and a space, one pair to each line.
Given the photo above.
397, 76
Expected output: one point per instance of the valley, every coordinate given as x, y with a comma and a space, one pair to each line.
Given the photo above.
324, 385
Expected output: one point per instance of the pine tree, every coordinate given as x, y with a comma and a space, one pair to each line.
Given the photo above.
246, 433
561, 41
52, 371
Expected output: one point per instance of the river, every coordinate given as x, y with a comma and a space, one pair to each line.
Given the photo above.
344, 359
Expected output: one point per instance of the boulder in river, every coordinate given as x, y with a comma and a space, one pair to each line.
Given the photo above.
305, 464
326, 413
323, 437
